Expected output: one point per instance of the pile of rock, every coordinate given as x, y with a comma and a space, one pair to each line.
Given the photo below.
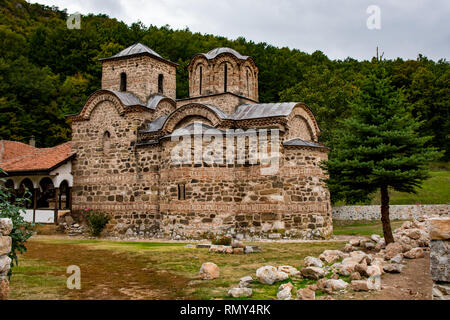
68, 225
440, 257
5, 261
361, 263
236, 247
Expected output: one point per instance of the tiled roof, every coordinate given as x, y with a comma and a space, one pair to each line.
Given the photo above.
18, 157
263, 110
303, 143
137, 49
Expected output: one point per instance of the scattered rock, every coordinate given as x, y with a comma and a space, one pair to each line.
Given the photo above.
313, 272
267, 274
313, 262
355, 276
393, 268
5, 244
284, 291
291, 271
397, 259
5, 263
413, 233
331, 256
336, 284
245, 282
414, 253
306, 294
6, 226
240, 292
209, 271
237, 244
393, 249
366, 285
375, 238
362, 269
238, 250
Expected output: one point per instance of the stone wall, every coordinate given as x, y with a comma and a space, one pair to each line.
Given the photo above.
142, 76
5, 261
396, 212
440, 257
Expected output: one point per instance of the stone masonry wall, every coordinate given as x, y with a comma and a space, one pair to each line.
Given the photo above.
5, 262
225, 101
142, 76
396, 212
440, 257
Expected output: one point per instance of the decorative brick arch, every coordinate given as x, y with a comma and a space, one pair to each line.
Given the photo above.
96, 98
189, 110
303, 112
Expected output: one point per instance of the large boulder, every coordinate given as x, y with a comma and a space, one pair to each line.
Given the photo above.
306, 294
393, 249
245, 282
313, 272
5, 263
393, 267
313, 262
5, 245
284, 291
6, 226
240, 292
331, 256
414, 253
209, 271
270, 275
291, 271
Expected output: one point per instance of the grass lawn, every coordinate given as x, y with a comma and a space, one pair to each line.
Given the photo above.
363, 228
146, 270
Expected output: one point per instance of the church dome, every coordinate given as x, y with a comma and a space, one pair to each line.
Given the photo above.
215, 52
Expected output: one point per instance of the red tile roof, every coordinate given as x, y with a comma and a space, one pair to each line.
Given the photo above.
17, 156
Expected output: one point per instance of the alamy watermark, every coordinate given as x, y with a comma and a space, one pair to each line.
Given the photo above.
74, 21
214, 146
373, 22
74, 280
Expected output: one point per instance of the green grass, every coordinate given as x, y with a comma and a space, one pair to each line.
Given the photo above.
364, 228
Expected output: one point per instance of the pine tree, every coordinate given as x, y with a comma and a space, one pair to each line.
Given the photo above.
378, 147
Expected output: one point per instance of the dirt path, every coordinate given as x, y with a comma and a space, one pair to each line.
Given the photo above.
414, 283
106, 274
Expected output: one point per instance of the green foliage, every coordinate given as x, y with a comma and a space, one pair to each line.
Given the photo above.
97, 222
47, 71
22, 230
221, 240
379, 145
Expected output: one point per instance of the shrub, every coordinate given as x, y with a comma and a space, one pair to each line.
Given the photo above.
96, 222
22, 230
223, 240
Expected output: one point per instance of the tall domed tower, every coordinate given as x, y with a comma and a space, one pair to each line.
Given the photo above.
223, 70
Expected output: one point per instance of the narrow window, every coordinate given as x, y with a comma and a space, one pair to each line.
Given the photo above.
181, 192
225, 77
201, 78
106, 142
160, 83
248, 88
123, 81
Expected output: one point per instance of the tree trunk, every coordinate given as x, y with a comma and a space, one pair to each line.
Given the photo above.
387, 231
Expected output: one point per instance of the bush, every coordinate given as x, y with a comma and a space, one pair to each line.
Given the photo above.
96, 222
224, 240
22, 230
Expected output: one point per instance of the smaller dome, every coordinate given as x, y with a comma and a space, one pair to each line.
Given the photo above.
215, 52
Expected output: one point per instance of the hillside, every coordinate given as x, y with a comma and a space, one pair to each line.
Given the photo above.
47, 71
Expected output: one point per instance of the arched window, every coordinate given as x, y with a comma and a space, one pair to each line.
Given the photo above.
123, 81
201, 78
225, 77
248, 88
106, 142
160, 83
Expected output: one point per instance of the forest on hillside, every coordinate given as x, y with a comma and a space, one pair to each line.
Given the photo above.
47, 71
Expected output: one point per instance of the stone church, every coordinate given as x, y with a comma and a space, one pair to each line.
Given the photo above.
124, 141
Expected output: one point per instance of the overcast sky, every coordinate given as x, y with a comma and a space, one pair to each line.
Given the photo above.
336, 27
